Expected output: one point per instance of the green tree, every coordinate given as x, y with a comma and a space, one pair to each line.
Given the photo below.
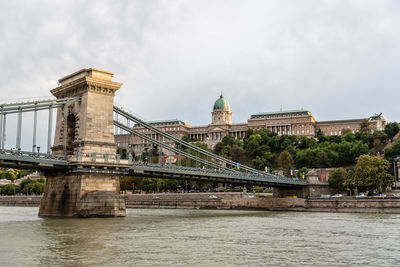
237, 154
149, 184
370, 174
9, 189
285, 161
346, 131
365, 127
266, 160
29, 186
190, 162
349, 137
336, 179
228, 140
305, 142
218, 148
7, 175
379, 140
391, 129
25, 182
320, 136
37, 188
393, 152
126, 183
187, 138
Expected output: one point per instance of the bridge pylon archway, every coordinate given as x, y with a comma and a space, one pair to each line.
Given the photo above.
70, 134
85, 133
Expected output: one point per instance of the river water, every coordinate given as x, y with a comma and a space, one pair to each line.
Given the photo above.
200, 238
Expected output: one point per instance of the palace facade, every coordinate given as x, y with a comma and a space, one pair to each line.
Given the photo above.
289, 122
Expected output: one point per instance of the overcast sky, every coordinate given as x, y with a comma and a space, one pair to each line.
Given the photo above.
337, 59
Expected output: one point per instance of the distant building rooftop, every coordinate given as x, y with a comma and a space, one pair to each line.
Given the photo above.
284, 113
166, 122
340, 121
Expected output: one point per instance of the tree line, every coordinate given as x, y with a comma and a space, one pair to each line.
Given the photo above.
26, 187
370, 174
264, 148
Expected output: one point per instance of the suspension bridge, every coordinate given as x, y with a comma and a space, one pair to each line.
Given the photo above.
81, 163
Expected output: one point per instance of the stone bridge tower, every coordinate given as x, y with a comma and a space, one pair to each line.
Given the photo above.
86, 125
85, 133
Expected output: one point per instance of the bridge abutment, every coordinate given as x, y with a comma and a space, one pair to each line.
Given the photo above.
310, 190
85, 128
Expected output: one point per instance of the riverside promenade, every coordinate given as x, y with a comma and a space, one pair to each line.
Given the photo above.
237, 201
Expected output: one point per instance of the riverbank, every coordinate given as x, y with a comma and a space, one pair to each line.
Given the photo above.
20, 201
232, 201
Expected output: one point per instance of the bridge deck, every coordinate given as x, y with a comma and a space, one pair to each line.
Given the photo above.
230, 176
43, 161
30, 160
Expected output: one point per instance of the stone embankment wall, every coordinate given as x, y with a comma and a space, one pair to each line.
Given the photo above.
237, 201
354, 205
20, 201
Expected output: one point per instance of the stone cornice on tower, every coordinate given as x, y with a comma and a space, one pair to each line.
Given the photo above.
94, 80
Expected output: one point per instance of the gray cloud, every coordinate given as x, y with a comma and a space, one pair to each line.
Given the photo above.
338, 59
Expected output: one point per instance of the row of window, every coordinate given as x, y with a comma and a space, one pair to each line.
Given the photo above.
165, 129
340, 127
289, 121
335, 132
281, 115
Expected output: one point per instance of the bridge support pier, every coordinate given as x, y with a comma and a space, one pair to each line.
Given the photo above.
84, 127
82, 195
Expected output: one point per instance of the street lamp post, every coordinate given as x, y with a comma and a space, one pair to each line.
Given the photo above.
395, 171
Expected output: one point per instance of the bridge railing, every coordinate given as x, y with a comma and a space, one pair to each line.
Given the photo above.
19, 153
232, 175
30, 106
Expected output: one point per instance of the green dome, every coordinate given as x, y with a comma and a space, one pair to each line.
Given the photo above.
222, 103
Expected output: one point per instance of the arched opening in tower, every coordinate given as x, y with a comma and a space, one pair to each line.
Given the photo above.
71, 121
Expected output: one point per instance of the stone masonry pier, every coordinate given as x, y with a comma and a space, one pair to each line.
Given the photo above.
84, 128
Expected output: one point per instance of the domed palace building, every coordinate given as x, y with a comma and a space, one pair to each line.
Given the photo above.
289, 122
